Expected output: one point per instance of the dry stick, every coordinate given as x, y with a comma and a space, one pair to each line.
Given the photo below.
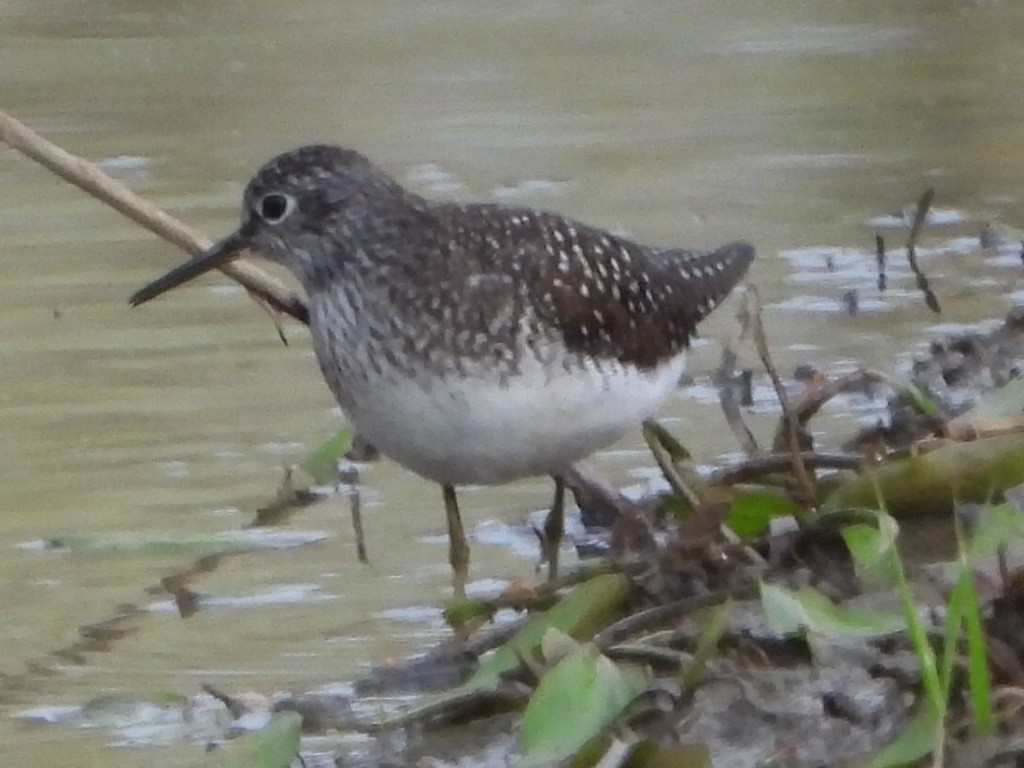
752, 307
668, 613
756, 466
965, 430
460, 705
664, 459
814, 398
350, 476
89, 178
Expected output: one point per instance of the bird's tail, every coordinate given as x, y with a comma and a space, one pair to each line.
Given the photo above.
710, 275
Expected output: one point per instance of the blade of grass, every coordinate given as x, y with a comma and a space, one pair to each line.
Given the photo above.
951, 634
912, 744
979, 685
915, 627
752, 321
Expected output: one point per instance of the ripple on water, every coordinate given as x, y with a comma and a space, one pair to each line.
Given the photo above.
904, 220
282, 594
835, 305
834, 39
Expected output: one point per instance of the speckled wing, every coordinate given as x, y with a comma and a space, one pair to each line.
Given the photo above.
601, 296
637, 305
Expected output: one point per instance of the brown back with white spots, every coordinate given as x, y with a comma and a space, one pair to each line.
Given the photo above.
432, 285
603, 296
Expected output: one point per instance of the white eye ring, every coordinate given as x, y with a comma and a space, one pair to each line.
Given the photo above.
275, 207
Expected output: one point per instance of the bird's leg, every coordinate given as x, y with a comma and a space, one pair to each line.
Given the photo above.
553, 527
458, 547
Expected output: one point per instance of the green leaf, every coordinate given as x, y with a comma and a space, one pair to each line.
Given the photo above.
998, 525
274, 746
916, 741
463, 610
788, 612
917, 396
575, 701
556, 645
873, 549
580, 614
322, 464
751, 512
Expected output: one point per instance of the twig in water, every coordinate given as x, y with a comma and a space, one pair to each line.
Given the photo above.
923, 204
350, 476
287, 500
727, 398
815, 396
752, 320
880, 258
459, 706
236, 707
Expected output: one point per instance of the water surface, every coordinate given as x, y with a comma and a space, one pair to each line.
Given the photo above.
792, 125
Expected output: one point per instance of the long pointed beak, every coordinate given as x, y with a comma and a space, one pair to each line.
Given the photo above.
216, 256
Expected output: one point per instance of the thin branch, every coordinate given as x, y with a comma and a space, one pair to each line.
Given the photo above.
758, 466
682, 489
752, 307
660, 615
813, 398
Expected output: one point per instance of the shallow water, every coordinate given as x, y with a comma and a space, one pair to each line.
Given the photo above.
683, 124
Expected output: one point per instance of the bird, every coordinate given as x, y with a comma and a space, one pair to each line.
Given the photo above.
473, 343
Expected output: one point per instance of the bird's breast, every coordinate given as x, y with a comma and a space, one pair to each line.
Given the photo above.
468, 420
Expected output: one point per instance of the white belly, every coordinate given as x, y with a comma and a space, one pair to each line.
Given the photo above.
479, 430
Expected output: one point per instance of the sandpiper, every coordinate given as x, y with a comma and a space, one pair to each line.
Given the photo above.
473, 343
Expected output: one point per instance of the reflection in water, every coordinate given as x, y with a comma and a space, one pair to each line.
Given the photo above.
677, 123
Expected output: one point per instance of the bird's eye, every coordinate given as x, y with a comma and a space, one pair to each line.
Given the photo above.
275, 207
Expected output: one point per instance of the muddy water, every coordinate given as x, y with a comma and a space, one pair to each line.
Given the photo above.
681, 123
